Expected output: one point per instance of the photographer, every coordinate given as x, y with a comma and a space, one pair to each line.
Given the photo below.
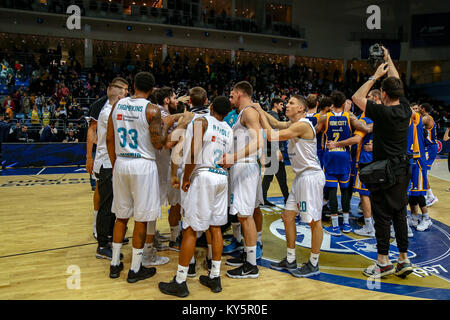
389, 196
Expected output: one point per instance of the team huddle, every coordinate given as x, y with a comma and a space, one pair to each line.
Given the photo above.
208, 169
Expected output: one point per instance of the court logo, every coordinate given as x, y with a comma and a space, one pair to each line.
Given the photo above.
74, 281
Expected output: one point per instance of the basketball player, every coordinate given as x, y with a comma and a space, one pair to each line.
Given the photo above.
336, 126
307, 188
418, 185
206, 186
134, 132
431, 146
245, 180
102, 165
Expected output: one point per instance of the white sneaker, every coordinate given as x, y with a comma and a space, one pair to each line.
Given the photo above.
424, 224
150, 258
410, 232
432, 201
415, 220
365, 232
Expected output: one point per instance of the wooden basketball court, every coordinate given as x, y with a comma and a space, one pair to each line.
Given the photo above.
48, 246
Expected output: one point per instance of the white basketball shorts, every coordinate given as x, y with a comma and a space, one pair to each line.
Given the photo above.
246, 188
206, 201
136, 189
306, 196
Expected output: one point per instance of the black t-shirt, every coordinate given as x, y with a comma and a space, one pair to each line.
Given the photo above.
96, 108
390, 128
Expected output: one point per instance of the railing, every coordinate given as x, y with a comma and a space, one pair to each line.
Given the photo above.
100, 9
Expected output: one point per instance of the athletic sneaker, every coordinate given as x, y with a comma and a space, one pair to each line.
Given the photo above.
346, 228
306, 270
432, 201
410, 232
365, 231
334, 231
142, 274
247, 270
424, 224
376, 271
403, 269
174, 245
415, 220
214, 283
233, 246
238, 261
151, 258
159, 245
114, 271
105, 253
191, 271
259, 250
284, 264
174, 288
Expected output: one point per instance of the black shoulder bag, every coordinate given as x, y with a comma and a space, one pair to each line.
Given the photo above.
378, 175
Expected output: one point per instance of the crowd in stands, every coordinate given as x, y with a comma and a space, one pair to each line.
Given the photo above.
61, 93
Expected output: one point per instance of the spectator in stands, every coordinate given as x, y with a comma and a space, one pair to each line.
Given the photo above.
8, 102
4, 130
49, 133
26, 103
35, 115
70, 137
21, 133
9, 112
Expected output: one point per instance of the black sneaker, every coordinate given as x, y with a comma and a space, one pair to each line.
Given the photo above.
208, 263
191, 271
174, 288
284, 265
238, 261
214, 284
247, 270
403, 269
114, 271
306, 270
175, 245
126, 241
143, 273
105, 253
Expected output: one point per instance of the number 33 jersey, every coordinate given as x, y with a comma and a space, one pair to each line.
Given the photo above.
131, 129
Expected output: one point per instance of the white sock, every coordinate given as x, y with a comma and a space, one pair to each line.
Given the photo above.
115, 260
209, 251
192, 259
314, 258
290, 256
251, 255
148, 247
94, 227
174, 233
368, 222
430, 194
136, 260
215, 269
335, 221
181, 274
346, 217
236, 226
259, 237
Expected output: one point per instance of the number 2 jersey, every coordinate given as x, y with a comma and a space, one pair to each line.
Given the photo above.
338, 128
131, 129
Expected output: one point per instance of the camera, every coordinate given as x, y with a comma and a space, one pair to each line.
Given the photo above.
376, 55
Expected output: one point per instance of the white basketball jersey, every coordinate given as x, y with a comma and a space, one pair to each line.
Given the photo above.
217, 141
303, 153
241, 138
132, 134
188, 138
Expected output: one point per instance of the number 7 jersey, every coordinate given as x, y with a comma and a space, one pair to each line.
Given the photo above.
131, 129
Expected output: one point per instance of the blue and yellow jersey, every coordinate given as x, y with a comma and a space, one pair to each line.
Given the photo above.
416, 146
363, 156
337, 128
314, 119
431, 136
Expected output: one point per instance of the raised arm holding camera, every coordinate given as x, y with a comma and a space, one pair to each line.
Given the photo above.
389, 175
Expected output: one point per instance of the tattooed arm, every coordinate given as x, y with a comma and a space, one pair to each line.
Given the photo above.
157, 135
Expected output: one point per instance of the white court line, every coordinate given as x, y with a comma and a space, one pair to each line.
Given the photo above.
40, 171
